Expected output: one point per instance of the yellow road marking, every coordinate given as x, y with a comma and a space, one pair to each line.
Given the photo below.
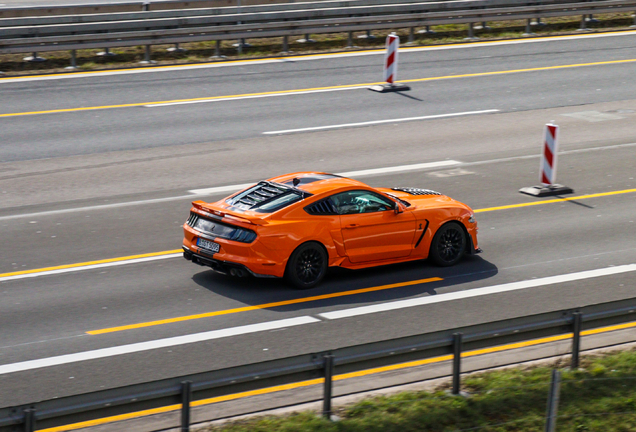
229, 97
340, 377
263, 306
178, 319
552, 201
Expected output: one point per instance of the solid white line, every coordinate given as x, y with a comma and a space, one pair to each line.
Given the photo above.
389, 306
222, 99
91, 267
400, 168
291, 60
361, 173
151, 345
375, 122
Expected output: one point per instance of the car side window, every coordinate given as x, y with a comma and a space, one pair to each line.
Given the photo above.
360, 201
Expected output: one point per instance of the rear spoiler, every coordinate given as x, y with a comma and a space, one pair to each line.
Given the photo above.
208, 208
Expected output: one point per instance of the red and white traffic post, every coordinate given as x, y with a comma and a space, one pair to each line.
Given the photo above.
548, 167
390, 67
549, 156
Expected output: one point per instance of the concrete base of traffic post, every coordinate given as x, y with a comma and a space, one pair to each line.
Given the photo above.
386, 88
546, 190
34, 58
538, 22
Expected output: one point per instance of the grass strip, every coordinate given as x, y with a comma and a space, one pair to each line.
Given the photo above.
599, 396
201, 52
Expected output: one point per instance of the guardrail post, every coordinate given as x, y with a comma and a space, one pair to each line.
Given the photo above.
146, 7
411, 36
217, 51
457, 361
350, 40
186, 398
634, 25
29, 420
285, 45
553, 401
576, 338
326, 406
471, 32
528, 31
583, 27
147, 59
427, 30
73, 60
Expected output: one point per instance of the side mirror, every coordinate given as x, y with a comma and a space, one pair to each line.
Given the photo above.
398, 208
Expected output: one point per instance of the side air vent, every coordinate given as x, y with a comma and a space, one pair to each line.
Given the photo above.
324, 207
416, 191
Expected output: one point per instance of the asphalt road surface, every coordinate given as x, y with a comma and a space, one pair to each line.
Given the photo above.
116, 179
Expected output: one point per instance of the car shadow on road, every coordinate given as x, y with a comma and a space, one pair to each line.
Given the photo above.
255, 291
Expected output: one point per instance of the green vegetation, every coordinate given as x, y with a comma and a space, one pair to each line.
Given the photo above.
600, 396
198, 52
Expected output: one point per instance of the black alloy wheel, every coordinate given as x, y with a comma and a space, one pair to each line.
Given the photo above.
448, 245
306, 266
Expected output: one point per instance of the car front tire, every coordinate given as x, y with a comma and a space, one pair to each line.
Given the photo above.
448, 245
307, 266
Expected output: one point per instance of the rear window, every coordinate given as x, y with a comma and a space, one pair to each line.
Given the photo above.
266, 197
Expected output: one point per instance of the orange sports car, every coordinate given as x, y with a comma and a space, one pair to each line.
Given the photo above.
297, 225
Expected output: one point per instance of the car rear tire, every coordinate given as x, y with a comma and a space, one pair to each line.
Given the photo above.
448, 245
306, 266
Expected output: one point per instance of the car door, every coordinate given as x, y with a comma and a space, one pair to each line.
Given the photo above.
371, 229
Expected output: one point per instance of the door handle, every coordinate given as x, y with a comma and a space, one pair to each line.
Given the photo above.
352, 226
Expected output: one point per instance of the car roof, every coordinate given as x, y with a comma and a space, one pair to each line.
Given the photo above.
317, 183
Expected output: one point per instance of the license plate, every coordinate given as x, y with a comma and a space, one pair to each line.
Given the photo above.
209, 245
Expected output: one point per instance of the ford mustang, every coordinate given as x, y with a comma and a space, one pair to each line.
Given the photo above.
297, 225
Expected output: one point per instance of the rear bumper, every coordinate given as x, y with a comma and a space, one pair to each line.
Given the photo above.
219, 266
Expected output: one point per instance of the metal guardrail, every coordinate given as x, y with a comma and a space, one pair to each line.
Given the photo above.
183, 390
153, 28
